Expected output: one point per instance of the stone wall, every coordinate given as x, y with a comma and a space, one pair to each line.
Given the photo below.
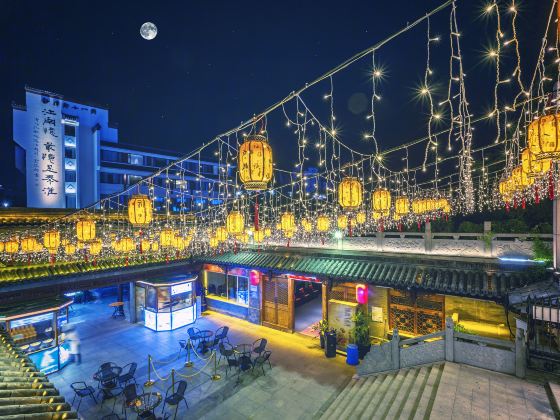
422, 353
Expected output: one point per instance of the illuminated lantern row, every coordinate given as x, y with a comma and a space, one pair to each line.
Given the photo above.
85, 230
95, 247
307, 225
258, 236
69, 249
11, 246
267, 232
543, 138
350, 193
213, 242
243, 238
361, 217
221, 234
287, 222
179, 243
255, 162
381, 201
51, 240
1, 246
140, 210
145, 244
342, 221
166, 237
125, 245
29, 244
235, 223
155, 246
532, 167
402, 207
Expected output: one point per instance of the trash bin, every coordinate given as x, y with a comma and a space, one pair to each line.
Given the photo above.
330, 344
352, 354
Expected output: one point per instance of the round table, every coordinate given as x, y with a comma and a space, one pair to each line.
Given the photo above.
108, 377
244, 351
145, 403
118, 309
203, 336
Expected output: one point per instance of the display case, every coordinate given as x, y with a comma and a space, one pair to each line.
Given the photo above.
168, 303
35, 327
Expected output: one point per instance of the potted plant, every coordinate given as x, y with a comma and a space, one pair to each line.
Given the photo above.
321, 328
360, 333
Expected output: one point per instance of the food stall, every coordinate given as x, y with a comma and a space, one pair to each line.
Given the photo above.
36, 328
168, 303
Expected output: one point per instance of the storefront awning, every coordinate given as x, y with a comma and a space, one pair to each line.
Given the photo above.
480, 279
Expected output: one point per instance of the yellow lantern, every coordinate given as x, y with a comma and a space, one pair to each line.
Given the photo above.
361, 217
28, 244
278, 226
221, 234
155, 246
1, 246
533, 167
95, 247
289, 233
243, 238
145, 245
235, 223
381, 201
51, 239
140, 210
402, 206
11, 246
179, 242
126, 245
377, 215
81, 245
255, 162
542, 137
166, 237
516, 177
85, 230
342, 221
306, 225
267, 232
258, 236
350, 193
323, 223
288, 222
525, 180
419, 206
213, 242
69, 249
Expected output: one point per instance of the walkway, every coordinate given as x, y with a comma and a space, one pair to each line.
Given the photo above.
300, 382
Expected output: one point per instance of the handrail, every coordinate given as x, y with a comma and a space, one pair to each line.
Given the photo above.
417, 340
485, 340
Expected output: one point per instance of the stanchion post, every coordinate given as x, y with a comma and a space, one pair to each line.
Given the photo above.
216, 376
149, 382
189, 363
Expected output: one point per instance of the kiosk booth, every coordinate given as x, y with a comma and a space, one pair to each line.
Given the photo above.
35, 327
168, 303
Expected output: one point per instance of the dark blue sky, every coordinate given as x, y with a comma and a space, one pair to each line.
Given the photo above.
215, 63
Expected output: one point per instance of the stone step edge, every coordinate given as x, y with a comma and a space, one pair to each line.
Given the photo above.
388, 372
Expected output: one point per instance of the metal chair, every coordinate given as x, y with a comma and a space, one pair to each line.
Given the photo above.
81, 389
130, 394
259, 345
176, 396
129, 375
194, 335
220, 335
260, 360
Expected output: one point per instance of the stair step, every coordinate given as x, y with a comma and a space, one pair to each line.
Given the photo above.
392, 392
404, 391
379, 395
339, 399
413, 397
448, 392
350, 409
368, 395
348, 395
426, 401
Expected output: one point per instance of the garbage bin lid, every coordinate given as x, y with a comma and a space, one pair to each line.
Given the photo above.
352, 346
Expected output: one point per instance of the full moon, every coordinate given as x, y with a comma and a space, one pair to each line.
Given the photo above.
148, 30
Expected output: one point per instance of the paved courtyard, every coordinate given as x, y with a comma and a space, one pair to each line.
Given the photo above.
299, 384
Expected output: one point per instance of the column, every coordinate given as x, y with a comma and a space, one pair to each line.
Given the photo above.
255, 291
428, 237
132, 302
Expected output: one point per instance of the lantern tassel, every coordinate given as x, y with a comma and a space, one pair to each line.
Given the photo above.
507, 206
400, 227
418, 226
523, 203
550, 185
349, 227
537, 198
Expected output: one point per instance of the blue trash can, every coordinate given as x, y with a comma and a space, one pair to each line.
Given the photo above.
352, 354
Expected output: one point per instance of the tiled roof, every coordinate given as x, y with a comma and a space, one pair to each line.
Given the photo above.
488, 280
26, 393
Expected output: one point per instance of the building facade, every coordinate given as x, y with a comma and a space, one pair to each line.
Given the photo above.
69, 154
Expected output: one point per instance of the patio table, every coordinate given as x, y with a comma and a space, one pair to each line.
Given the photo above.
146, 403
204, 335
108, 377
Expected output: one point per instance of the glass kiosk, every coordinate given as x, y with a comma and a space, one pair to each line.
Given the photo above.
168, 303
35, 327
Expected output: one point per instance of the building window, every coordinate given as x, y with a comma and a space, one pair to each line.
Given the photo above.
70, 176
70, 201
234, 288
135, 159
109, 178
69, 130
70, 152
109, 156
132, 179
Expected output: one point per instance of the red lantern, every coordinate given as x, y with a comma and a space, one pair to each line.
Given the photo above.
254, 277
362, 294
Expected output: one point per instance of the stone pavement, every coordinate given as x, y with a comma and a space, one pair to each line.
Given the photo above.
300, 382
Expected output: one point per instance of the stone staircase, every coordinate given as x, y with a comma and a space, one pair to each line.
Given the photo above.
439, 391
405, 394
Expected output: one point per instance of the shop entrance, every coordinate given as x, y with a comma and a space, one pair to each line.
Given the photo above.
276, 303
308, 304
416, 313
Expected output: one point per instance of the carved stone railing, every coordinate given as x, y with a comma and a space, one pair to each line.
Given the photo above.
448, 345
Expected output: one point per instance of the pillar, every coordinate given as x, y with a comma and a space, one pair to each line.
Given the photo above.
132, 302
395, 351
428, 237
520, 353
488, 238
449, 340
255, 298
556, 233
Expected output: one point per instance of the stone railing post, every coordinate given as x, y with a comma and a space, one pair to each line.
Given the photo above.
520, 356
395, 351
428, 237
449, 340
487, 233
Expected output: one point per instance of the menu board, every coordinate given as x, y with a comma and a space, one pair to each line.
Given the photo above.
340, 318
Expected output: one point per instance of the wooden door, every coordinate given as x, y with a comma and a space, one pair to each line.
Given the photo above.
276, 308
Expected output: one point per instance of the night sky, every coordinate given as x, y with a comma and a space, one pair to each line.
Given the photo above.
214, 64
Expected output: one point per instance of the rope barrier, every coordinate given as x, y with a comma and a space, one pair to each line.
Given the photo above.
196, 354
